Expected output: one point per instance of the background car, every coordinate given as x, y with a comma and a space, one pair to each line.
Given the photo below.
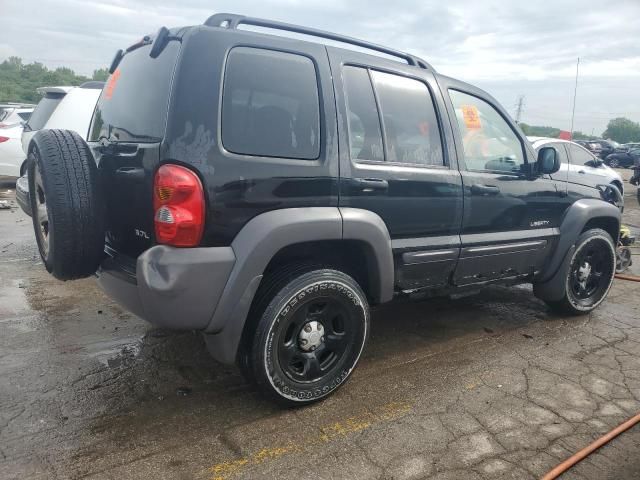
14, 113
623, 159
625, 147
11, 154
581, 165
12, 117
600, 148
70, 108
63, 107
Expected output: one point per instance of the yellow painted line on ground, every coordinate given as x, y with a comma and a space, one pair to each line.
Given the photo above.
366, 419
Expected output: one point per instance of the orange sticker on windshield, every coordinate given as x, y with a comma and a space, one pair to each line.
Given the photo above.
471, 117
111, 84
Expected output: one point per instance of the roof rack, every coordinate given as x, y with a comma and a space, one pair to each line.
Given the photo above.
232, 21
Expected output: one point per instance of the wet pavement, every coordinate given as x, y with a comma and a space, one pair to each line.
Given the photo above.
484, 387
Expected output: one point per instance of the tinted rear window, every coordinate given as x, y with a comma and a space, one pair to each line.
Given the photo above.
270, 104
44, 110
133, 105
411, 128
24, 115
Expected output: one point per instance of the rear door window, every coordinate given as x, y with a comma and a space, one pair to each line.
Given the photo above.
134, 102
410, 125
270, 104
44, 110
406, 113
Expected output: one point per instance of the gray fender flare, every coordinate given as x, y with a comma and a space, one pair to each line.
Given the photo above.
265, 235
550, 283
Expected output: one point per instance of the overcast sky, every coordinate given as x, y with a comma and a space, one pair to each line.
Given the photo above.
509, 48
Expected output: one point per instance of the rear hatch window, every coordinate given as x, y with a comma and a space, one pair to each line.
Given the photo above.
44, 110
130, 117
133, 105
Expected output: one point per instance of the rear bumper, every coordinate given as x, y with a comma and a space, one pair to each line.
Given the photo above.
176, 288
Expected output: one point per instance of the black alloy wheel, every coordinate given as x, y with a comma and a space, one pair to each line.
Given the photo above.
315, 339
590, 274
591, 271
307, 331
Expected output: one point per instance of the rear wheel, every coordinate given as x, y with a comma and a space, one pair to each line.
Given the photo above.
308, 337
66, 203
614, 162
590, 273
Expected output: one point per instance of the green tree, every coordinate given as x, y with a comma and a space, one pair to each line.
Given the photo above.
578, 135
101, 74
622, 130
537, 131
19, 81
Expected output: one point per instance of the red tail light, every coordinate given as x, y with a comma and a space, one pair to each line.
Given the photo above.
3, 139
178, 203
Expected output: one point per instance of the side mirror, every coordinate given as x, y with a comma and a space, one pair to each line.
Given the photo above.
548, 161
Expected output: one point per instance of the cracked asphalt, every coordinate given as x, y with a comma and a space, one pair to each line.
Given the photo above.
490, 386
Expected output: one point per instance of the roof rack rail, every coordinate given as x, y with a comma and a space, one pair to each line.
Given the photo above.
232, 21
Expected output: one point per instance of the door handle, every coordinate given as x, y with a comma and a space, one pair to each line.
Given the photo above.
484, 189
371, 184
582, 171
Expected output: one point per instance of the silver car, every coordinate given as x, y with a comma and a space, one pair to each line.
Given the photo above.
582, 166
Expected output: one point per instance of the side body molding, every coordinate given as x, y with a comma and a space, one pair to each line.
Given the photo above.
550, 284
265, 235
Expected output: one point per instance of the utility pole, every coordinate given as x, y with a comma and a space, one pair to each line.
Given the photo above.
575, 92
519, 108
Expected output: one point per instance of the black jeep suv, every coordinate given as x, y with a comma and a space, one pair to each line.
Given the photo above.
267, 190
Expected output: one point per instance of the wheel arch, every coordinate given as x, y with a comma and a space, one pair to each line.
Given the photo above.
618, 184
610, 225
583, 215
278, 236
23, 167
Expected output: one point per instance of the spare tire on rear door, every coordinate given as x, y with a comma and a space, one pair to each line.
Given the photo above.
67, 204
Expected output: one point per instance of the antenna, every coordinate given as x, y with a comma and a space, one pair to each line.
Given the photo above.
519, 108
575, 92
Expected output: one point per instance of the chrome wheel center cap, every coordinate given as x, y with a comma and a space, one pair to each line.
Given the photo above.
311, 336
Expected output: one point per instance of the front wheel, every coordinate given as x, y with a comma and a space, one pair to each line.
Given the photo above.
590, 274
309, 337
614, 163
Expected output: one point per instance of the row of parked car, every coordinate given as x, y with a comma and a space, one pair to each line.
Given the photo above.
614, 154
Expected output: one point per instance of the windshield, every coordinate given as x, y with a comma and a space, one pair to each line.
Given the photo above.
133, 105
